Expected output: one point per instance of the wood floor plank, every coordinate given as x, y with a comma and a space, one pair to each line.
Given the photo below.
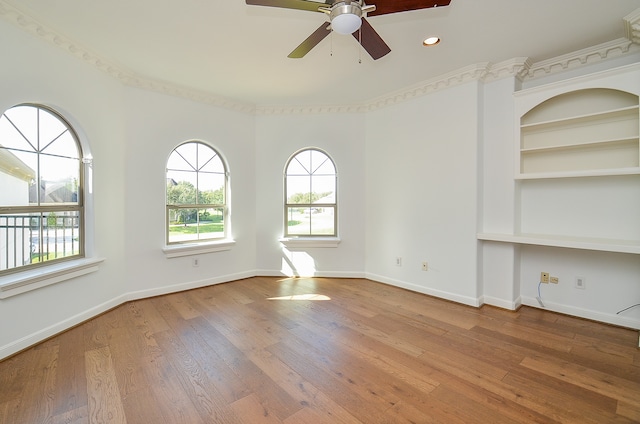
71, 382
261, 350
105, 402
604, 384
315, 402
253, 411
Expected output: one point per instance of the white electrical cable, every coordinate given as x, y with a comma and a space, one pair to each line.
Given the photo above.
539, 298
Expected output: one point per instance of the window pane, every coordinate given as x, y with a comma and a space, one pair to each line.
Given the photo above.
16, 234
189, 152
322, 221
59, 180
17, 177
324, 168
51, 128
195, 224
210, 188
180, 191
211, 223
214, 164
25, 119
323, 189
298, 189
298, 221
177, 162
64, 146
55, 235
33, 238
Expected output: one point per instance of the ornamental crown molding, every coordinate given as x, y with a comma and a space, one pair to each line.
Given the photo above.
117, 71
588, 56
521, 68
632, 26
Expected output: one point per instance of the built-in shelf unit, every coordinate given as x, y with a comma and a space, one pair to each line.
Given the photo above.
577, 167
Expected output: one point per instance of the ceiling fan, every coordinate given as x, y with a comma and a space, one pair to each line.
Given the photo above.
349, 17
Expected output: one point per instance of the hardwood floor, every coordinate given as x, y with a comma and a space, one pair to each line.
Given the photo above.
311, 350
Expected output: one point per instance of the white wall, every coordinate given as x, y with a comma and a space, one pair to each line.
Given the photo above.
342, 136
33, 71
422, 180
156, 124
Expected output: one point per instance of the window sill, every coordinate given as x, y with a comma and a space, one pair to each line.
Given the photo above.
306, 242
14, 284
179, 250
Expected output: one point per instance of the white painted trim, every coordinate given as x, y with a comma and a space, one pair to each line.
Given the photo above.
328, 274
179, 250
465, 300
582, 313
56, 328
14, 284
306, 242
501, 303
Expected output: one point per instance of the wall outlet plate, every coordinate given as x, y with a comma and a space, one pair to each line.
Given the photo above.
544, 277
554, 280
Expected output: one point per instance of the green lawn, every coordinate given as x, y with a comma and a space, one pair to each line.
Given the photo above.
213, 227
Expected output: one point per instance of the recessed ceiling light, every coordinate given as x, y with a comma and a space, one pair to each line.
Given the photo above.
431, 41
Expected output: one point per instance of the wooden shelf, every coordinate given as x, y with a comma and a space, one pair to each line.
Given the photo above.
569, 146
582, 133
581, 119
602, 245
579, 174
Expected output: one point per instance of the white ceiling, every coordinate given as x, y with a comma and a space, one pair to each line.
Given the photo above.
229, 49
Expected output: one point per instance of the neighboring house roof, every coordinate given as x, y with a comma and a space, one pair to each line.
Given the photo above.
11, 165
53, 192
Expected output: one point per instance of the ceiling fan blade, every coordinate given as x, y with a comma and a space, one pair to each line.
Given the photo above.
311, 6
311, 41
371, 41
384, 7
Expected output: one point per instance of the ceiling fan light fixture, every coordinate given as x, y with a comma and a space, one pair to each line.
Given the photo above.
346, 18
431, 41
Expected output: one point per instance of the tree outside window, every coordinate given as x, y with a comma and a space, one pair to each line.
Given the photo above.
196, 194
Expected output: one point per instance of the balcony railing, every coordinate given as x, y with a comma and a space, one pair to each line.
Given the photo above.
37, 238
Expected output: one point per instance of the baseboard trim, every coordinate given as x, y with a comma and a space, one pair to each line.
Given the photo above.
582, 313
502, 303
465, 300
61, 326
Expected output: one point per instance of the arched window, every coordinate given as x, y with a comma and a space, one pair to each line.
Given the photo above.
310, 184
196, 194
41, 201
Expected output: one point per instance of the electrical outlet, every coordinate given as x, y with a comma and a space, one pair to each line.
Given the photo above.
544, 277
425, 266
554, 280
581, 283
195, 262
398, 261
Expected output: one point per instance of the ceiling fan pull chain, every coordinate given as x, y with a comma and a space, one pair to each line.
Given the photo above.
331, 46
360, 48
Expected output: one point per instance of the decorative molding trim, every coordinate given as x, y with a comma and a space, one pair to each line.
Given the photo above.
590, 55
520, 68
632, 26
117, 71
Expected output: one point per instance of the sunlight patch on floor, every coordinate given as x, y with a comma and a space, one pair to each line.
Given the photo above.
310, 296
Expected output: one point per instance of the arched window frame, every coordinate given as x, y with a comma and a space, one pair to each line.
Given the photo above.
64, 217
311, 172
175, 246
